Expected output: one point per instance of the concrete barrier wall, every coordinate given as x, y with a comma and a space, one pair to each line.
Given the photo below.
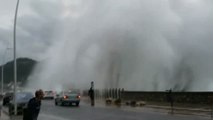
153, 96
179, 97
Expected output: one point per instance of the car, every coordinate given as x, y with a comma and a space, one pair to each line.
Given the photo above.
49, 95
22, 99
67, 98
7, 98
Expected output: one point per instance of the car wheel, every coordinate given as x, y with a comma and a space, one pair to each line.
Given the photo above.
56, 103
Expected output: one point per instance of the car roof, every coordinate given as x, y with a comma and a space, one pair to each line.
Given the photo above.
8, 94
48, 91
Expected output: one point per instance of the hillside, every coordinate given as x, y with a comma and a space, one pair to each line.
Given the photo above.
24, 69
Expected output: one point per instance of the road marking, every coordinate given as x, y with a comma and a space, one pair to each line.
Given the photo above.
51, 117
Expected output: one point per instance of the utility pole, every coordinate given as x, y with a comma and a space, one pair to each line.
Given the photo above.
15, 65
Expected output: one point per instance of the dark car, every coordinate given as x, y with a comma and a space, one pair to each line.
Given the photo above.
22, 99
7, 98
67, 98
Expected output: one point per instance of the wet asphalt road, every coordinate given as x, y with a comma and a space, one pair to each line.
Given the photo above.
85, 112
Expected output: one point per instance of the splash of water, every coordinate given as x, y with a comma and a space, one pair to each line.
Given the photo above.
131, 44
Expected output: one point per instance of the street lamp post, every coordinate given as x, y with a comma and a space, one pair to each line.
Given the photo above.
15, 65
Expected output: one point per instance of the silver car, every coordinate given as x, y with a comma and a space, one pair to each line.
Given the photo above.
67, 98
22, 99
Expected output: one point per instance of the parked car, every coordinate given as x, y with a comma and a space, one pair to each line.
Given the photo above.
67, 98
22, 99
49, 95
7, 98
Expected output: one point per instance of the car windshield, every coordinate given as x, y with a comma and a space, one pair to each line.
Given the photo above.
48, 92
70, 92
23, 97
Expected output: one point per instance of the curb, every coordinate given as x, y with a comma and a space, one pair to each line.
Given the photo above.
167, 109
4, 110
4, 116
181, 111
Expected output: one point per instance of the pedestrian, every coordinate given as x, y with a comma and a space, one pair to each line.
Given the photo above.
171, 100
33, 106
92, 96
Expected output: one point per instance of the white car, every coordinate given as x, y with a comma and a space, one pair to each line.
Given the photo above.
49, 95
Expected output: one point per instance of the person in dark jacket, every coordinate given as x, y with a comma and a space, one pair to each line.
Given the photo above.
170, 99
33, 107
92, 96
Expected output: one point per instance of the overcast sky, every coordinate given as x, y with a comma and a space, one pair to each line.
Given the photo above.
37, 22
155, 44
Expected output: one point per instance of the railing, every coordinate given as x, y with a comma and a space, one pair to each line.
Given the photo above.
114, 93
